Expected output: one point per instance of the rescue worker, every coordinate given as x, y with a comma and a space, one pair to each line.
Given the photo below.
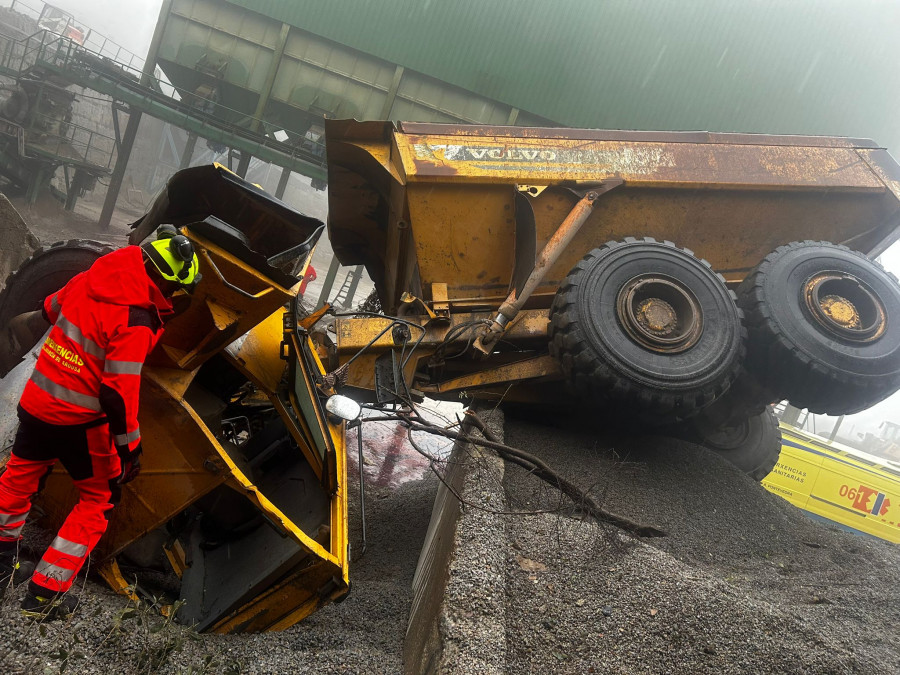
81, 406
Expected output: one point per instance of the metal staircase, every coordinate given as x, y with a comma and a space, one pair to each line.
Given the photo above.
59, 60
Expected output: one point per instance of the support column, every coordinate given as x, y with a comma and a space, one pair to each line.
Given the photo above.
188, 152
38, 178
134, 120
282, 183
266, 90
354, 283
73, 189
118, 175
329, 282
392, 94
837, 425
243, 164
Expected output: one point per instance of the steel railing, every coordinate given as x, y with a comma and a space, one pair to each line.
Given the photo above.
44, 49
96, 42
86, 65
66, 140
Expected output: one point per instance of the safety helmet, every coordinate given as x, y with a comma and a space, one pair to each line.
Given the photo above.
172, 254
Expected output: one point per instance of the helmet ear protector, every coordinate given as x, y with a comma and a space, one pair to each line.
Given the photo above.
173, 256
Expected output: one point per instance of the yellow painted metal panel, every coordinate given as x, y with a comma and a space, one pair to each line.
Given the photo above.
181, 463
857, 491
354, 334
659, 164
257, 354
217, 314
731, 198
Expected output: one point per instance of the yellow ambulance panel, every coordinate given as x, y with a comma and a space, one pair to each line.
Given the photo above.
856, 490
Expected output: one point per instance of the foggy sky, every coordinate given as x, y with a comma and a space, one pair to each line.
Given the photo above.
130, 23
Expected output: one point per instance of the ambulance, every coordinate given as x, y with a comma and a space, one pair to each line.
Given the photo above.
833, 482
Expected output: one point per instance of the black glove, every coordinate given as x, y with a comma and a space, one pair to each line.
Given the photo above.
131, 464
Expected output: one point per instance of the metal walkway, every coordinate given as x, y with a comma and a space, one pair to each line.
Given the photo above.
48, 56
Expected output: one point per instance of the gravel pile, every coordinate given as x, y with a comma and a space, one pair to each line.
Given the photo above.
743, 583
363, 634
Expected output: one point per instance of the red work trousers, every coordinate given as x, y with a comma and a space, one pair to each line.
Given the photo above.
88, 454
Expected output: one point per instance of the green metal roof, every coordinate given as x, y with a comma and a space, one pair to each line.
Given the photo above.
775, 66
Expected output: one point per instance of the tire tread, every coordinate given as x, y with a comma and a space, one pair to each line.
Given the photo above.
595, 379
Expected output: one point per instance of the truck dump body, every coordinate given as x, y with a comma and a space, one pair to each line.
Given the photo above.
615, 260
423, 203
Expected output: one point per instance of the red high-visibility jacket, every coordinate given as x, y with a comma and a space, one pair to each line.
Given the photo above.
105, 322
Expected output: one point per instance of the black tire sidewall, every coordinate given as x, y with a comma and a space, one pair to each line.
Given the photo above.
45, 272
709, 360
759, 451
782, 292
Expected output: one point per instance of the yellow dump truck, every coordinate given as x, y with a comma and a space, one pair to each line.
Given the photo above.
244, 474
830, 481
537, 266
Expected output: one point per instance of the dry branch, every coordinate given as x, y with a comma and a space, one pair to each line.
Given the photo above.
535, 465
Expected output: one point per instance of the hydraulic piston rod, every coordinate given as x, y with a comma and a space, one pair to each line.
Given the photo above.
547, 258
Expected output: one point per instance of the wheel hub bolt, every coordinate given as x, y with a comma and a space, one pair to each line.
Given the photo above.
657, 316
840, 310
844, 307
659, 313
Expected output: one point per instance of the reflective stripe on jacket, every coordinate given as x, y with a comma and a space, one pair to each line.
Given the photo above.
105, 323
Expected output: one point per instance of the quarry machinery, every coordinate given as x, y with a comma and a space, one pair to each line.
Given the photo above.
243, 481
541, 268
534, 267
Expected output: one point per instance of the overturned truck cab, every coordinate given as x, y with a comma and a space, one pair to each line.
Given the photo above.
243, 484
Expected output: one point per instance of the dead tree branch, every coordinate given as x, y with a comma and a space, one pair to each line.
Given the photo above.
535, 465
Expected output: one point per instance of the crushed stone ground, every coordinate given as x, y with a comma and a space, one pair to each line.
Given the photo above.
363, 634
744, 583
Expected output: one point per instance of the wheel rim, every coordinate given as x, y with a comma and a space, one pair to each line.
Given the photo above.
846, 307
726, 437
659, 313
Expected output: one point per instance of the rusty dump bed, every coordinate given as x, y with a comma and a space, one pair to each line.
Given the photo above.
425, 204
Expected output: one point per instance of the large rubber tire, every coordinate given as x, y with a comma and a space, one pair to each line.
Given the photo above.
608, 367
752, 444
45, 272
793, 356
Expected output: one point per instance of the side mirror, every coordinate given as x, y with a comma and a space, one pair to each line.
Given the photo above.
343, 407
